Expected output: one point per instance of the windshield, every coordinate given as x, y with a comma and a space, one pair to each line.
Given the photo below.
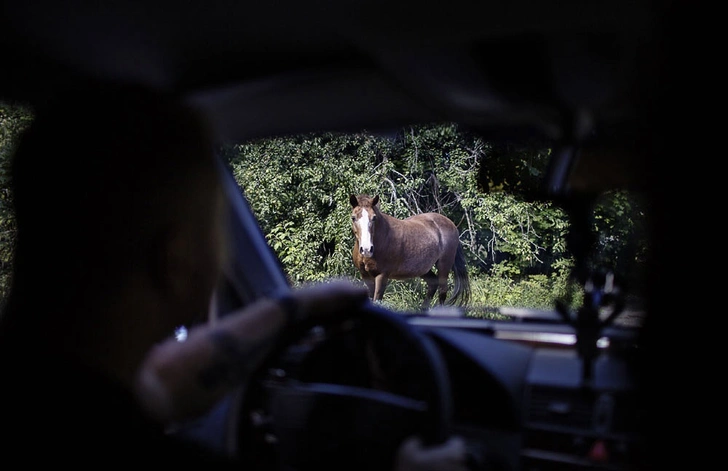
523, 253
518, 245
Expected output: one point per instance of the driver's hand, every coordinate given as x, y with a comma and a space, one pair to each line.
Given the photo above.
323, 300
414, 456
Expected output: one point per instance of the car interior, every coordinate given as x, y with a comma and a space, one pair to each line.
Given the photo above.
544, 390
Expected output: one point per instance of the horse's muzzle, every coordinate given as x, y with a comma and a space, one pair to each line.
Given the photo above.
366, 252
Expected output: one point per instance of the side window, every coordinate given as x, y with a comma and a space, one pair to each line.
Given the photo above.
14, 118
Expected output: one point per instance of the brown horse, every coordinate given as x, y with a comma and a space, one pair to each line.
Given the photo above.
390, 248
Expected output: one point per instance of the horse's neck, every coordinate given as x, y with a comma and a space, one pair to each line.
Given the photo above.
388, 222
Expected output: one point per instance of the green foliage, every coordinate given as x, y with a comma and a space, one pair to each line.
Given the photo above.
405, 295
620, 224
531, 235
534, 292
14, 118
299, 187
515, 243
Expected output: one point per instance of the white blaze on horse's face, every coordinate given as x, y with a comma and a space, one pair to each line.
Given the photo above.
366, 246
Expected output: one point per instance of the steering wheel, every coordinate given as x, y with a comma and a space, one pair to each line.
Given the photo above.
343, 392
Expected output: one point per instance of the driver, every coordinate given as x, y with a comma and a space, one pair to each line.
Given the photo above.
115, 249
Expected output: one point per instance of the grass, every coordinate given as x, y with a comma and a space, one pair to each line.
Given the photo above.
487, 294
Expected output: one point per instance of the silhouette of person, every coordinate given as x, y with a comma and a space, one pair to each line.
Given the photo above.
121, 239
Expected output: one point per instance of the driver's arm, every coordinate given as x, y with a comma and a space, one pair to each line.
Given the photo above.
183, 380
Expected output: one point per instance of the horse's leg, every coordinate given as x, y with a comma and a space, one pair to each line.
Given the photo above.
431, 281
380, 284
442, 276
369, 282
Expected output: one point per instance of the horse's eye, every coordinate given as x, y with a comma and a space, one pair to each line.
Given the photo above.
353, 219
374, 218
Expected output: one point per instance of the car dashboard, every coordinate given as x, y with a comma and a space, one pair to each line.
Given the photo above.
526, 404
521, 396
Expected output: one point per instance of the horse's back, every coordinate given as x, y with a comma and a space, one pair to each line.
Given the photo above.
440, 226
426, 237
437, 219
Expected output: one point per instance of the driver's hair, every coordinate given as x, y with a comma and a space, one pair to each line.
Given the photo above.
93, 190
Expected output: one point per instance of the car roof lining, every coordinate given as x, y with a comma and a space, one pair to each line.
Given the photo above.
294, 66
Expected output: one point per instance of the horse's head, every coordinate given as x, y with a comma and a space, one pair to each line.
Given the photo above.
363, 219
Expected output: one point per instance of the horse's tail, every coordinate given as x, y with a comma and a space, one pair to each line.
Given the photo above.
461, 289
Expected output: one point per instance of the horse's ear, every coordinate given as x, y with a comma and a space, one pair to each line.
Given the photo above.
354, 202
375, 200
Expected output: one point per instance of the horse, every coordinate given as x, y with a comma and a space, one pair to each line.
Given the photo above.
387, 248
